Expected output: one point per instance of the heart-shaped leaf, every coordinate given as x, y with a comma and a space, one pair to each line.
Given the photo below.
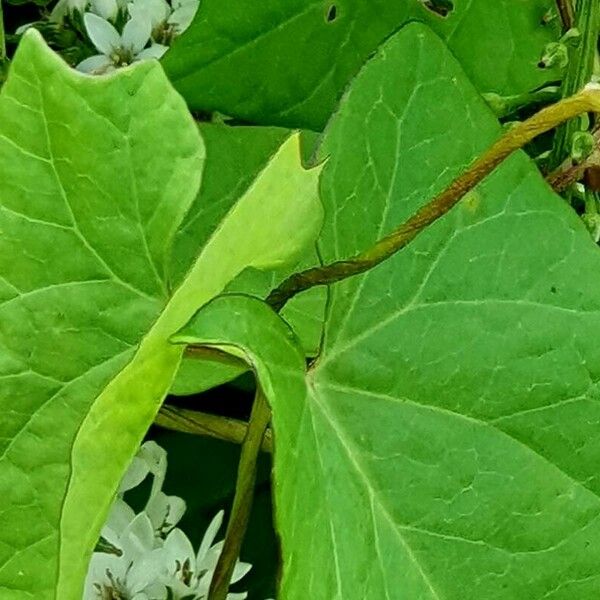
96, 174
445, 442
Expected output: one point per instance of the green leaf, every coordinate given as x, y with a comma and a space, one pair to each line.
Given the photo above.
444, 444
287, 63
96, 174
235, 155
305, 313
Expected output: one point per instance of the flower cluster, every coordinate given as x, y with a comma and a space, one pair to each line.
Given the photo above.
145, 556
151, 27
124, 31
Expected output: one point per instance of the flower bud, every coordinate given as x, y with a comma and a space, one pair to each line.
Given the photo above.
555, 54
582, 145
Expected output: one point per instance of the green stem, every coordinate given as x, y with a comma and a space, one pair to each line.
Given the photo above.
2, 37
504, 106
214, 355
579, 72
515, 138
198, 423
242, 503
565, 10
591, 207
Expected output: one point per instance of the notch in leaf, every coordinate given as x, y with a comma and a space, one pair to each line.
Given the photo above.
440, 7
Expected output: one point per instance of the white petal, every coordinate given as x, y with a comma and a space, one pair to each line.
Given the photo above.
211, 558
156, 591
138, 538
59, 11
102, 34
177, 509
136, 473
150, 452
183, 16
240, 569
100, 564
146, 572
160, 10
23, 28
181, 590
157, 11
107, 9
209, 537
155, 51
136, 34
165, 511
177, 547
120, 516
97, 64
154, 455
63, 7
138, 10
157, 510
238, 596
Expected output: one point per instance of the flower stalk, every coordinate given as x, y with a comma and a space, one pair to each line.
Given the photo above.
565, 10
198, 423
242, 503
2, 41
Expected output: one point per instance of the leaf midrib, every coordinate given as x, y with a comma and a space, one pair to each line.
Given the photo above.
336, 351
328, 384
346, 445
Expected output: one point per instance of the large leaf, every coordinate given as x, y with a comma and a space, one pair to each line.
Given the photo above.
445, 444
288, 62
95, 176
235, 155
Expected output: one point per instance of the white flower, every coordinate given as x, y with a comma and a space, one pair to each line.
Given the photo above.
64, 7
134, 573
189, 574
164, 511
157, 11
117, 50
145, 557
167, 20
183, 14
107, 9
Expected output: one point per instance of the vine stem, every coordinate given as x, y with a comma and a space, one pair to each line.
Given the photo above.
565, 10
242, 502
579, 72
515, 138
2, 37
199, 423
